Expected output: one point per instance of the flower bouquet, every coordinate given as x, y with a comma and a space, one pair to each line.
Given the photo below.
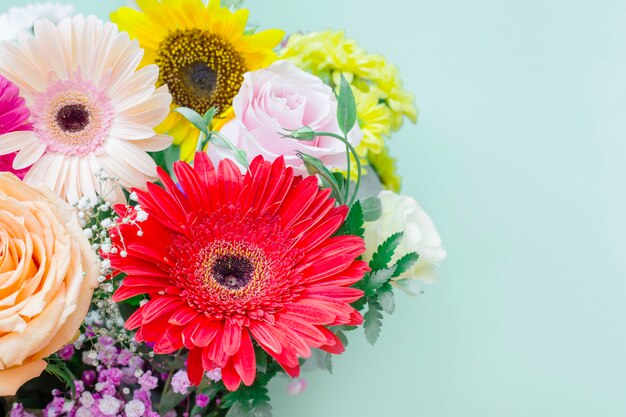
190, 207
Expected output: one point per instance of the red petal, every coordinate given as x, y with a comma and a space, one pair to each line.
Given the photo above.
298, 200
157, 308
171, 340
183, 315
310, 311
335, 347
191, 184
205, 332
124, 292
135, 319
245, 360
304, 328
230, 378
204, 168
231, 338
265, 338
229, 179
343, 294
321, 232
214, 351
195, 371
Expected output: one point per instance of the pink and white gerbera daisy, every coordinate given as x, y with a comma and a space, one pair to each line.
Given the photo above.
91, 109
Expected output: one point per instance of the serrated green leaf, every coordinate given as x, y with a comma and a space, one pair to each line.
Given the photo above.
405, 263
196, 119
346, 107
372, 209
372, 321
239, 409
353, 225
385, 251
377, 279
261, 410
386, 300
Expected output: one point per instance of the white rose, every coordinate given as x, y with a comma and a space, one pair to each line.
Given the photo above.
401, 213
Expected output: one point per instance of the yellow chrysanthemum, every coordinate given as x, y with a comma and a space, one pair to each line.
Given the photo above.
385, 166
382, 102
202, 52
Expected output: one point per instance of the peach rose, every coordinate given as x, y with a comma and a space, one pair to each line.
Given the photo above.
47, 275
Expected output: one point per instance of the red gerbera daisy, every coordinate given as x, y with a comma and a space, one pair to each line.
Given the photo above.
229, 258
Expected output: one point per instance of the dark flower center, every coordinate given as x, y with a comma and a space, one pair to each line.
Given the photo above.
200, 78
73, 117
232, 272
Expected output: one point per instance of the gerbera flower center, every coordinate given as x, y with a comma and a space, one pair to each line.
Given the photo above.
233, 264
200, 69
72, 117
232, 272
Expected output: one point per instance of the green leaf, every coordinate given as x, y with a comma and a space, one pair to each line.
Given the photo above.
209, 116
359, 304
263, 409
353, 225
169, 401
405, 263
342, 336
346, 107
241, 157
340, 180
261, 359
239, 409
377, 279
386, 299
166, 158
59, 369
372, 321
384, 253
196, 119
372, 209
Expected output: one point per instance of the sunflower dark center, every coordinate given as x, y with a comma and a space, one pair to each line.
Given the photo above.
232, 272
199, 78
73, 117
201, 69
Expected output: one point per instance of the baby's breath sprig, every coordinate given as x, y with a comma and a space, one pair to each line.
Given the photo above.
98, 219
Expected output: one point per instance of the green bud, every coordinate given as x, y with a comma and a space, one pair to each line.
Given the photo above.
304, 133
313, 165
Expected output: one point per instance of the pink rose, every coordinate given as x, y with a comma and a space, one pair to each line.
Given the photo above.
281, 97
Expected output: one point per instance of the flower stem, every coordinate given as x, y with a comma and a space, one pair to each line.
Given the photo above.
356, 157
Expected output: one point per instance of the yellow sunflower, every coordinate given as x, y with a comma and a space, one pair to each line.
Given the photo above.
202, 52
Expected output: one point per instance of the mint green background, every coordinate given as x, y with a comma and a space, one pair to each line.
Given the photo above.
520, 157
